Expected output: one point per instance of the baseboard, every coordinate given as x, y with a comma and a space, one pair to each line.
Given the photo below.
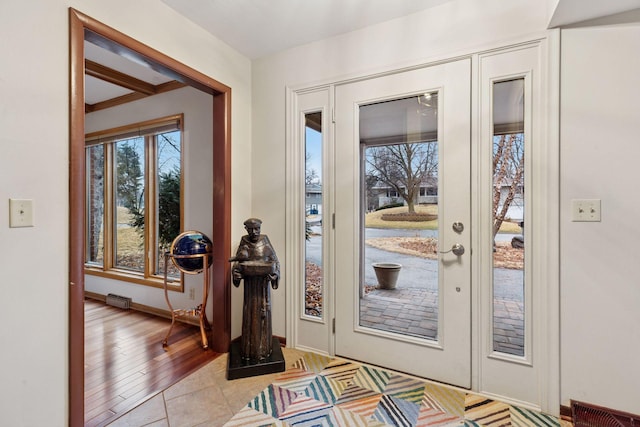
158, 312
565, 413
95, 296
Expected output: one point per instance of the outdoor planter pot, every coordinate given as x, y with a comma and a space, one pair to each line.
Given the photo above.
387, 274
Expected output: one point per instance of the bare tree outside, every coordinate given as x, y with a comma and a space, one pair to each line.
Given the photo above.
310, 175
404, 167
508, 174
311, 178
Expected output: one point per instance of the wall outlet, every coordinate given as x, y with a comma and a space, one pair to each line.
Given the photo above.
20, 213
585, 210
192, 293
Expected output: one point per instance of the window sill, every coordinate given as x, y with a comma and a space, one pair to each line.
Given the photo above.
126, 276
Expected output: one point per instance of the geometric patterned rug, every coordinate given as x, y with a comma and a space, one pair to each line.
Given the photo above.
325, 391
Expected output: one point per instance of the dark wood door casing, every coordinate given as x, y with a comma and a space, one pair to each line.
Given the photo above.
80, 27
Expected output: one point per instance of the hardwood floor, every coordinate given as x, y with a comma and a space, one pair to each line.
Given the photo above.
125, 362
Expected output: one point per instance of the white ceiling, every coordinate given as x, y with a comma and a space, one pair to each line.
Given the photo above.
257, 28
569, 12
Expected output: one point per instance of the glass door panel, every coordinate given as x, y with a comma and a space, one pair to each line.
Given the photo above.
508, 217
400, 216
313, 283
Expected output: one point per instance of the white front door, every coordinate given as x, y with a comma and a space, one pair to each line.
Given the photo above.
401, 138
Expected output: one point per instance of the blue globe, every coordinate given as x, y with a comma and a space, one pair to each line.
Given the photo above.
190, 243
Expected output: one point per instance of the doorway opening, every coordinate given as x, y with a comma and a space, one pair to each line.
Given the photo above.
81, 27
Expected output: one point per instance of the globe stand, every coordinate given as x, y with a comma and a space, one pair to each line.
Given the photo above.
195, 314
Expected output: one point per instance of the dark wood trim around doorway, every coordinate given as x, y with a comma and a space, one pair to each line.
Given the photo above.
81, 26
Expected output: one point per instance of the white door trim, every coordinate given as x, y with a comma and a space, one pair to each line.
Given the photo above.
541, 364
547, 269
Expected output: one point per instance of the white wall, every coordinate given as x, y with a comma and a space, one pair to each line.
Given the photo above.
600, 88
443, 31
197, 153
34, 117
600, 268
600, 329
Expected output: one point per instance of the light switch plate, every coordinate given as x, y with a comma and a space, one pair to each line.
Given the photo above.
585, 210
20, 213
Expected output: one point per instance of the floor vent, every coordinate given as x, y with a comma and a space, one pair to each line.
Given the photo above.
587, 415
119, 301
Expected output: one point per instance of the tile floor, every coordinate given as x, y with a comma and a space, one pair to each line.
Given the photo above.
339, 392
321, 391
204, 398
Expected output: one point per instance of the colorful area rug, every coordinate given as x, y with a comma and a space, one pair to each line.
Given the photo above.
324, 391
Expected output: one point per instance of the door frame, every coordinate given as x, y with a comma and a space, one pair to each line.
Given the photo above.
221, 164
494, 370
302, 331
548, 326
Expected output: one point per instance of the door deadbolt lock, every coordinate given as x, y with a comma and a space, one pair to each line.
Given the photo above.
457, 249
458, 227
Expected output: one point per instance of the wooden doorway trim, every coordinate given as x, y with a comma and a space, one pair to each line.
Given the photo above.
81, 26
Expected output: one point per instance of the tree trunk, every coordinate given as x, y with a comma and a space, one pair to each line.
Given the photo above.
411, 205
96, 210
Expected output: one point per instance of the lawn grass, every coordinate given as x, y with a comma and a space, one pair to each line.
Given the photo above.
374, 220
129, 240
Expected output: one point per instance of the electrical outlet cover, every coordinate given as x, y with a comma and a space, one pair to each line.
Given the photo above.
20, 213
585, 210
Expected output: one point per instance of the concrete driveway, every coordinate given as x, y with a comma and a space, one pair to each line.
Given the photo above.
418, 273
412, 307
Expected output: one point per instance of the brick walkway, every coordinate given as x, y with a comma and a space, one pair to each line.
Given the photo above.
414, 312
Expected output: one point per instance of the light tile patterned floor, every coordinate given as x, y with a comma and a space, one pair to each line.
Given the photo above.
324, 391
338, 392
204, 399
